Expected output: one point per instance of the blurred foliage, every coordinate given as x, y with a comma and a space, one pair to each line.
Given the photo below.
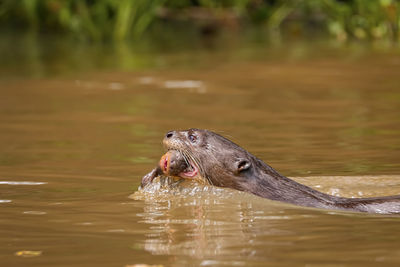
122, 19
95, 20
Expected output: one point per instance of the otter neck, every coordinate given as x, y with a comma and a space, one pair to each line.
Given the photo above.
272, 185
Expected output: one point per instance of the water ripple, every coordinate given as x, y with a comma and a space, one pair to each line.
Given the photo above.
21, 183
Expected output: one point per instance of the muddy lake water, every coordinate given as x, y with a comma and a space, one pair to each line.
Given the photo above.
75, 145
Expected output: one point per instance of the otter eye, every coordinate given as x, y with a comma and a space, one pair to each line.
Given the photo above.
192, 138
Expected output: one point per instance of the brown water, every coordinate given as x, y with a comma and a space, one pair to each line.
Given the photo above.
74, 148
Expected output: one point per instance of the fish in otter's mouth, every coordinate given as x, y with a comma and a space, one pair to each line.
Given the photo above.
174, 163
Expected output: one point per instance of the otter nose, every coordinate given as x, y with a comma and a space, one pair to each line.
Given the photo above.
169, 134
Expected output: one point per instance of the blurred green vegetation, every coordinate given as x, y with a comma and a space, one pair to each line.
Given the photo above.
124, 19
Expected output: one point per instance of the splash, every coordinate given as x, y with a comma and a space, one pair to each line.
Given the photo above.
166, 188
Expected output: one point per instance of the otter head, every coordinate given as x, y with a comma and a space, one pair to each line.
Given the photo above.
210, 157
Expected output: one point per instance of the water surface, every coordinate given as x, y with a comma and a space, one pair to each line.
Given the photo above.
74, 147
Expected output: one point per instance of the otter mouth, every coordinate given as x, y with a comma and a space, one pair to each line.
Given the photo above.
173, 163
191, 173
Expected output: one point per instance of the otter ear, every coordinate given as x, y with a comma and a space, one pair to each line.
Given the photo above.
242, 165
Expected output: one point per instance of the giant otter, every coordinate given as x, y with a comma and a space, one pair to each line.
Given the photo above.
208, 157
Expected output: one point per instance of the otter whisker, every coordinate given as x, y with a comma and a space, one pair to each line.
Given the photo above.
200, 168
185, 157
189, 158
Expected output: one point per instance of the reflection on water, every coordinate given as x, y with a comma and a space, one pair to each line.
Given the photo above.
74, 148
214, 226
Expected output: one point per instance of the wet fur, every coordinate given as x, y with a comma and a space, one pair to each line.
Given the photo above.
220, 162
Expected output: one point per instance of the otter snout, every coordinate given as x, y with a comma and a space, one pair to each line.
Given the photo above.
170, 134
172, 140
